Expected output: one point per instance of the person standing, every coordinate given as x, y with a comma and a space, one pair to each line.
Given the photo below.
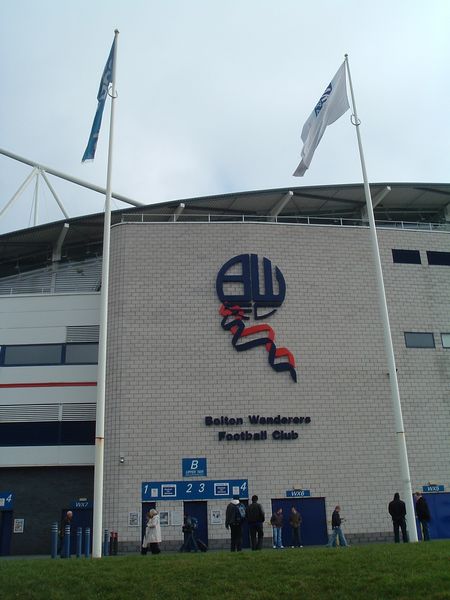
189, 527
295, 520
276, 520
152, 535
67, 520
234, 518
336, 531
256, 518
423, 514
397, 510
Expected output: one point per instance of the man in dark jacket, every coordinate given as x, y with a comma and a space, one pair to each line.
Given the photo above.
255, 518
234, 520
336, 531
397, 510
423, 514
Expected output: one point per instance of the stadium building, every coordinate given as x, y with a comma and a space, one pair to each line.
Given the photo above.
245, 355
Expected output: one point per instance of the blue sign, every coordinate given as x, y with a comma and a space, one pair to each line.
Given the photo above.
6, 500
81, 503
153, 491
433, 488
194, 467
298, 493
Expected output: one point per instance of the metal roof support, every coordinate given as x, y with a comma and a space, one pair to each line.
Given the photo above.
376, 200
55, 196
56, 255
276, 210
179, 209
447, 212
75, 180
21, 189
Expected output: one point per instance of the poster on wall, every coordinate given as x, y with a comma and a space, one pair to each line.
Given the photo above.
176, 518
164, 518
18, 525
216, 517
133, 519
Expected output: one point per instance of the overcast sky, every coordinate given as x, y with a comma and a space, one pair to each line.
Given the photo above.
213, 95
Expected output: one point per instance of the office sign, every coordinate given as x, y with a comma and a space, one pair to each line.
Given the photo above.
6, 500
433, 488
298, 493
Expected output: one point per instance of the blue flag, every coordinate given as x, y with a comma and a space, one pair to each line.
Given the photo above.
106, 79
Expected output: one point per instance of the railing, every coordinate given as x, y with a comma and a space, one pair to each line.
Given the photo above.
285, 220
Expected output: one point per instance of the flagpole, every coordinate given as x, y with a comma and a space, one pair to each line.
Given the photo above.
101, 372
389, 348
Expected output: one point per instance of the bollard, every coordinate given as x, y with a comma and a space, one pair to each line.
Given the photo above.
105, 543
66, 550
111, 540
87, 542
115, 543
79, 541
54, 540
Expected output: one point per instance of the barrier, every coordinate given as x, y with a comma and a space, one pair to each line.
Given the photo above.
105, 543
79, 541
54, 540
87, 542
66, 542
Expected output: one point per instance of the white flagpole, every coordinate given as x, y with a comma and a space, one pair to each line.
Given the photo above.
389, 348
101, 381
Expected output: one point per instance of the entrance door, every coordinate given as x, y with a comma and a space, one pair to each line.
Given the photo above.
199, 510
313, 529
146, 506
439, 525
82, 517
6, 526
245, 532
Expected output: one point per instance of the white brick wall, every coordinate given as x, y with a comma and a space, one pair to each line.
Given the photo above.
170, 364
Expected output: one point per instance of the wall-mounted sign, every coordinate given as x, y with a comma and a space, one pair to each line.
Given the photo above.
256, 293
18, 526
433, 488
194, 467
6, 500
81, 503
260, 421
298, 493
197, 490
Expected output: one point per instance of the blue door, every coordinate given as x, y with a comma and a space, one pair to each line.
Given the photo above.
82, 517
313, 530
245, 532
439, 525
199, 510
6, 527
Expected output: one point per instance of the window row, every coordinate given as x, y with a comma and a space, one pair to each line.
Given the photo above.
412, 257
49, 354
69, 433
416, 339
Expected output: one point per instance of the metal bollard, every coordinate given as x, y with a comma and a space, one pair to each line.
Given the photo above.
115, 544
87, 542
111, 541
54, 540
66, 550
79, 541
105, 543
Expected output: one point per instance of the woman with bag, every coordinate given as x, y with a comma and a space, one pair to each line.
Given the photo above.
152, 537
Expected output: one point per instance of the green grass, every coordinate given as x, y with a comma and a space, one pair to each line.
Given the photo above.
377, 571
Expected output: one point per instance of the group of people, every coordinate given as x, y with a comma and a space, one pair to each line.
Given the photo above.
254, 514
397, 510
237, 514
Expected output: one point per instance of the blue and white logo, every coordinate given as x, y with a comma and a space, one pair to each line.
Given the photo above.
323, 99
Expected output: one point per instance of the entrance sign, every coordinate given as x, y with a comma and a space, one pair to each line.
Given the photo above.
6, 500
195, 490
298, 493
433, 488
194, 467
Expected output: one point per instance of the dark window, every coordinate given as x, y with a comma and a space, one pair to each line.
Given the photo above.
438, 258
419, 339
445, 337
74, 433
49, 354
411, 257
81, 354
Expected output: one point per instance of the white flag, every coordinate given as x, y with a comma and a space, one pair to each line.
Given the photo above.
332, 105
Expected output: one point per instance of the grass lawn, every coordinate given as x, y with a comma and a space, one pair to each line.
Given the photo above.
379, 571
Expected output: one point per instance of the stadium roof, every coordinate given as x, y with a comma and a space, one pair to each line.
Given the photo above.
411, 202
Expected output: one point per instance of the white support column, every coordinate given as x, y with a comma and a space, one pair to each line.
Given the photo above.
21, 189
375, 202
179, 209
276, 210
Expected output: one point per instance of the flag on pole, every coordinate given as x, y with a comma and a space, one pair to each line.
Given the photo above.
332, 104
106, 79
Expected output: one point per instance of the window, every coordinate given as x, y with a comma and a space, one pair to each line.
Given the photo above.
445, 337
81, 354
411, 257
438, 258
419, 340
37, 354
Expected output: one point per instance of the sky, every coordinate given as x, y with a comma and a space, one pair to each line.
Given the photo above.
213, 94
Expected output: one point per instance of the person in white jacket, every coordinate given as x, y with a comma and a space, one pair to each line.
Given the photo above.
152, 537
